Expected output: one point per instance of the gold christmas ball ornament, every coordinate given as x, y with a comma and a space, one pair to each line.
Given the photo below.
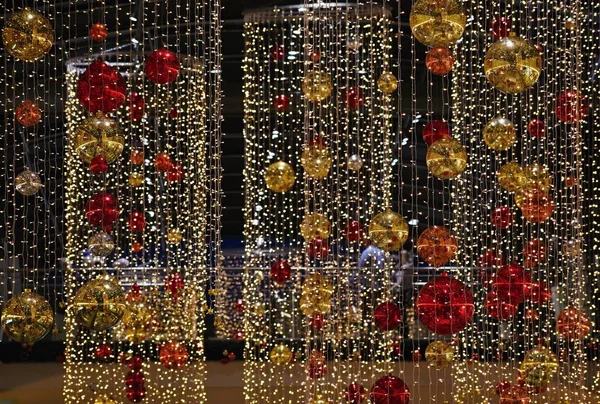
136, 179
512, 64
314, 226
101, 244
388, 230
319, 400
439, 354
355, 162
437, 22
539, 366
137, 321
28, 183
98, 136
446, 158
511, 177
104, 399
28, 35
27, 318
387, 83
316, 160
537, 178
499, 134
280, 355
100, 303
316, 295
280, 177
317, 86
174, 236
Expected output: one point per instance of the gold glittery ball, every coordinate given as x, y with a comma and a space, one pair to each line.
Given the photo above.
28, 183
27, 318
387, 83
315, 225
446, 158
280, 177
100, 303
280, 355
317, 86
136, 179
28, 35
98, 135
316, 160
437, 23
511, 176
499, 134
174, 236
439, 354
388, 230
539, 366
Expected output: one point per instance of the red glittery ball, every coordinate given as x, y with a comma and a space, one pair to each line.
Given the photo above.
173, 355
439, 60
536, 128
98, 32
318, 248
354, 97
571, 106
534, 252
445, 305
135, 363
502, 309
175, 173
136, 393
355, 393
501, 217
500, 27
173, 113
502, 386
281, 103
280, 272
136, 222
162, 162
101, 88
103, 352
278, 53
174, 283
239, 306
98, 165
512, 281
387, 316
317, 321
136, 107
136, 247
353, 231
315, 55
390, 390
317, 370
28, 113
435, 130
102, 209
134, 378
162, 66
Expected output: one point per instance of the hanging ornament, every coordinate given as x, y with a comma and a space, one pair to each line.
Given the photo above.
511, 177
537, 206
355, 162
163, 162
98, 136
571, 181
439, 354
136, 247
135, 179
316, 365
101, 244
135, 391
27, 35
354, 97
534, 252
136, 221
174, 284
571, 106
437, 23
389, 389
436, 246
101, 88
102, 210
281, 103
512, 282
162, 66
100, 303
315, 225
538, 178
318, 248
501, 217
173, 355
174, 236
387, 316
573, 324
439, 60
103, 352
446, 158
539, 366
316, 295
315, 56
136, 322
28, 183
28, 113
355, 393
317, 86
104, 399
280, 272
280, 177
98, 165
98, 32
353, 231
173, 113
536, 128
280, 355
512, 65
316, 160
387, 83
136, 156
499, 134
445, 305
278, 53
317, 321
175, 173
500, 27
435, 130
136, 107
388, 230
27, 318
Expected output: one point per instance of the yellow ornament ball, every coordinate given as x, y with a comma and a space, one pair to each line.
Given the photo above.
539, 366
317, 86
387, 83
319, 400
136, 179
98, 135
174, 236
316, 160
446, 158
437, 22
100, 303
137, 321
280, 355
28, 35
439, 354
499, 134
27, 318
104, 399
511, 177
316, 295
512, 64
537, 178
315, 225
280, 177
388, 230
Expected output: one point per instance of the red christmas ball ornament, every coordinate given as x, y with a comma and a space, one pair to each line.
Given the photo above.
136, 393
281, 103
501, 217
135, 363
162, 66
28, 113
540, 293
416, 355
439, 60
102, 210
317, 321
98, 32
317, 370
175, 173
532, 315
315, 56
502, 386
445, 305
534, 252
512, 281
278, 53
389, 390
239, 306
434, 131
536, 128
354, 231
174, 283
135, 294
136, 221
98, 165
387, 316
163, 162
136, 106
355, 393
281, 272
571, 106
500, 27
137, 247
134, 378
173, 113
136, 156
238, 336
103, 352
502, 309
354, 97
318, 248
101, 88
173, 355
